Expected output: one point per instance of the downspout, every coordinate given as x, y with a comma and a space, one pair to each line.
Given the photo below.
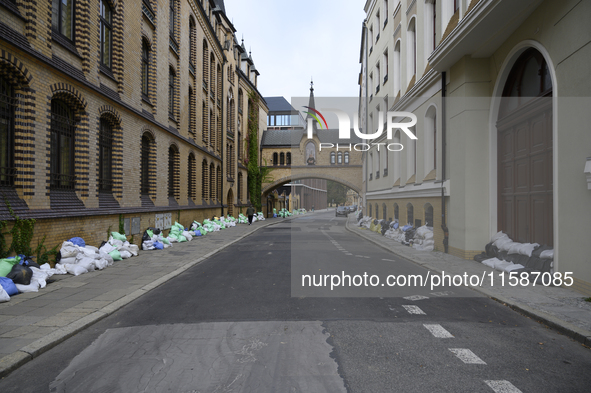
443, 159
222, 142
366, 126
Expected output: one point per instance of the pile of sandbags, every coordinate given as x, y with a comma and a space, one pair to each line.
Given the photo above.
364, 222
503, 254
179, 234
154, 240
242, 219
19, 275
118, 247
259, 216
423, 239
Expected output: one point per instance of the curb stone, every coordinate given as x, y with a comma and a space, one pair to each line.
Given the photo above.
574, 332
11, 362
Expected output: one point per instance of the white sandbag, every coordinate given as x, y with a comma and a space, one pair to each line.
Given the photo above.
91, 248
46, 268
125, 254
166, 245
514, 249
134, 249
107, 248
506, 245
84, 251
32, 287
502, 265
548, 254
87, 263
59, 268
429, 235
65, 261
126, 244
3, 295
40, 276
187, 235
172, 239
497, 236
527, 248
106, 257
491, 262
116, 243
101, 263
69, 250
147, 248
501, 240
75, 269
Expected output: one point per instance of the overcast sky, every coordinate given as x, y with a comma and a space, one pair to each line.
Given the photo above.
292, 41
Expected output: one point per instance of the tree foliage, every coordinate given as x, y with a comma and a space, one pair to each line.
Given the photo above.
337, 192
254, 172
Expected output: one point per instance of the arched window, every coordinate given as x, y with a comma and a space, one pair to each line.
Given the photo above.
384, 211
204, 180
219, 81
378, 164
430, 140
145, 165
339, 158
332, 158
430, 15
370, 164
172, 17
377, 212
239, 191
191, 183
428, 215
63, 129
192, 44
219, 183
211, 130
7, 120
204, 126
106, 33
145, 69
370, 210
240, 100
205, 66
396, 212
288, 159
275, 159
396, 157
212, 76
411, 156
105, 155
411, 50
171, 91
282, 159
62, 18
172, 171
397, 68
191, 112
346, 158
410, 217
212, 186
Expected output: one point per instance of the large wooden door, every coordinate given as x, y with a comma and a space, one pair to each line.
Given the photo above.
525, 186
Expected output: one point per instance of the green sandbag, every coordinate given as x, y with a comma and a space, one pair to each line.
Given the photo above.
116, 255
165, 241
174, 236
7, 264
182, 239
118, 236
150, 233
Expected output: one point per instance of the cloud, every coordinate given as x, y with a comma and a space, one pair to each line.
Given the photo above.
292, 41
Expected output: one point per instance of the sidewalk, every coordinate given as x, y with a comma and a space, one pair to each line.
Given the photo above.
561, 309
32, 323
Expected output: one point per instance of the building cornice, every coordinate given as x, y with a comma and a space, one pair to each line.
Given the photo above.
424, 190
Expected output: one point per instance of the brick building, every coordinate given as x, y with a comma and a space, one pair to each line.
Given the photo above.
133, 111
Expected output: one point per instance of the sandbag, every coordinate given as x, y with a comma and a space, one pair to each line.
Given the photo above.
32, 287
65, 261
91, 248
68, 250
198, 233
547, 254
6, 265
107, 248
106, 256
8, 285
125, 254
77, 241
134, 249
116, 255
4, 297
158, 246
87, 263
118, 236
75, 269
182, 239
41, 276
20, 274
187, 236
101, 263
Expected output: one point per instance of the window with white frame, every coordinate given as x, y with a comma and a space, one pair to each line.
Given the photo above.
385, 65
397, 68
430, 140
411, 50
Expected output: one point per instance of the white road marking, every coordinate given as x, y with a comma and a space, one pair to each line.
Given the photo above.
467, 356
438, 331
414, 310
446, 293
415, 297
359, 256
389, 260
502, 387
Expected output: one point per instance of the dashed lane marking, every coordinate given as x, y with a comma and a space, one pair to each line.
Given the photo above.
414, 310
389, 260
438, 331
502, 387
467, 356
416, 297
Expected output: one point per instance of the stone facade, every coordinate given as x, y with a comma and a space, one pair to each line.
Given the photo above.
183, 101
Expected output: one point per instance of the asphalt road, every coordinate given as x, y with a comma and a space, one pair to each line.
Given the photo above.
243, 322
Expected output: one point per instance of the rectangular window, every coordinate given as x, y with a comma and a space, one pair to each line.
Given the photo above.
62, 17
171, 83
145, 68
106, 34
105, 156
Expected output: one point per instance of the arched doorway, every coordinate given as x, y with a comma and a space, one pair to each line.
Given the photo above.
230, 202
525, 179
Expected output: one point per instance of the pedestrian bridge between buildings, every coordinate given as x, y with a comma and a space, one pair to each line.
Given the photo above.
350, 176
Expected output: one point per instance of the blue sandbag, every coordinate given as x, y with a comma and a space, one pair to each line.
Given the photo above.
396, 226
158, 246
8, 286
198, 233
78, 241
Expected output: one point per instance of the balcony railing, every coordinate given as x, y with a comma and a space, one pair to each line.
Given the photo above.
60, 181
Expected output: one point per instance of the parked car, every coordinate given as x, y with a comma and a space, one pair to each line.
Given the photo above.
353, 208
342, 211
